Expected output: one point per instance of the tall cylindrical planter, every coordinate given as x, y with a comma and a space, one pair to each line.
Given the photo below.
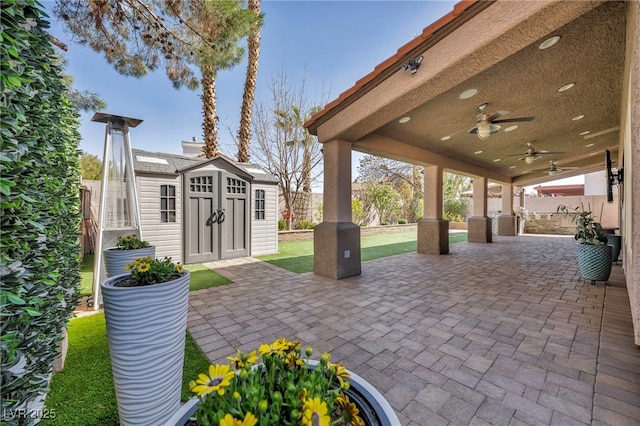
146, 329
594, 262
116, 259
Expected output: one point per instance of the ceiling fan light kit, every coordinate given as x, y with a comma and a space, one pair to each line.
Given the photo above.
486, 124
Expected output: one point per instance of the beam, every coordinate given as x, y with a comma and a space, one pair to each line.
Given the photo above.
390, 148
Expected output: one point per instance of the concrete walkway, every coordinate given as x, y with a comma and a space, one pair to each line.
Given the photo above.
501, 333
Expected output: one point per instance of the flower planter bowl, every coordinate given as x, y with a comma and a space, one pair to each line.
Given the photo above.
116, 259
146, 333
594, 262
374, 408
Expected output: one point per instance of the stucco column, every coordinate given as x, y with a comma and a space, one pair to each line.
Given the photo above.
507, 220
522, 212
336, 241
433, 231
479, 225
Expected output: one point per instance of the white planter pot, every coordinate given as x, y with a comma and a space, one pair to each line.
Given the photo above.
115, 260
146, 329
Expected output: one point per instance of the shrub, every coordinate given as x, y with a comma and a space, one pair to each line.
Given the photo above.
384, 223
40, 220
402, 222
281, 225
305, 224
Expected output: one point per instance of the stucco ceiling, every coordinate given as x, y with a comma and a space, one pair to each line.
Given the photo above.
512, 74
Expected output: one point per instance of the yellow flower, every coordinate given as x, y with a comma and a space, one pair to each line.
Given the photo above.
129, 238
315, 413
341, 373
278, 347
249, 420
292, 360
144, 267
179, 268
242, 359
219, 377
348, 410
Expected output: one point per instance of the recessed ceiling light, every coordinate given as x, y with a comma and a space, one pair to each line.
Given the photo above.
468, 93
594, 153
586, 132
404, 120
589, 145
478, 152
512, 167
549, 42
445, 138
511, 128
566, 87
579, 117
496, 160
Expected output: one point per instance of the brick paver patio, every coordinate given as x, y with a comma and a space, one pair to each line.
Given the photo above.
499, 333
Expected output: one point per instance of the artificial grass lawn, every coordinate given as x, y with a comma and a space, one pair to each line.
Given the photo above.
86, 275
203, 277
83, 394
297, 256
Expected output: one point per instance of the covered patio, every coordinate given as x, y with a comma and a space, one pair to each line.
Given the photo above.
499, 333
512, 92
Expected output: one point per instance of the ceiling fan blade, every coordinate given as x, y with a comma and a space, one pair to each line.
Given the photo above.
549, 152
514, 120
473, 130
497, 114
568, 168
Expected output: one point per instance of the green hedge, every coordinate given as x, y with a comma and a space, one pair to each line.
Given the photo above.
39, 180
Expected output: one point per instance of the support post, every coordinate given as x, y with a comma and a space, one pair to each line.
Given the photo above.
507, 220
479, 224
433, 231
336, 241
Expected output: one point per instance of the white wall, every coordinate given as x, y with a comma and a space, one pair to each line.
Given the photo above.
166, 237
596, 184
264, 233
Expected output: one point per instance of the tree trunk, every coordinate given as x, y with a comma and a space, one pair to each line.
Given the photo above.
253, 46
210, 118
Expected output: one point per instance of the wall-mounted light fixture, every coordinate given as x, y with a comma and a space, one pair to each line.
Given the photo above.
412, 65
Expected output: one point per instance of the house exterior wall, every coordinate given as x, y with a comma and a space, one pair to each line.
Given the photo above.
264, 233
630, 149
166, 237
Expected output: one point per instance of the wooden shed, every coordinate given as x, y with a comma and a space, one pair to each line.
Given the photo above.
198, 210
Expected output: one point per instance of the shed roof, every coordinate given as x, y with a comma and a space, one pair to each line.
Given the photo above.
174, 164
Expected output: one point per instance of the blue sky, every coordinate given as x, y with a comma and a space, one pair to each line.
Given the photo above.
333, 43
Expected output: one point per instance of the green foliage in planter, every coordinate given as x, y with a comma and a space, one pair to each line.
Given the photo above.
588, 231
39, 262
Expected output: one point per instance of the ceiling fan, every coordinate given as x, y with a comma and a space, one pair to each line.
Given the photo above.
487, 124
532, 155
554, 168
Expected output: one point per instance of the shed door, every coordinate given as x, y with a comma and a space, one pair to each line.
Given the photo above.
235, 227
202, 202
217, 213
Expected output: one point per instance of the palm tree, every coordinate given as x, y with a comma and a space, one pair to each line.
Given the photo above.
253, 45
224, 22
